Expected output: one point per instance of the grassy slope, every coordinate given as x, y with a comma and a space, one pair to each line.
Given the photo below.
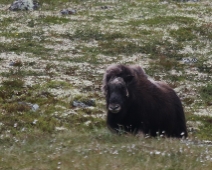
53, 60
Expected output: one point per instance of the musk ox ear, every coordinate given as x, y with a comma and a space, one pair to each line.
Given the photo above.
128, 79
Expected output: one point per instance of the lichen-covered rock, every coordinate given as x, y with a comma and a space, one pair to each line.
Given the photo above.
24, 5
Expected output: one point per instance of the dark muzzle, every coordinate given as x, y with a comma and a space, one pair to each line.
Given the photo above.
114, 108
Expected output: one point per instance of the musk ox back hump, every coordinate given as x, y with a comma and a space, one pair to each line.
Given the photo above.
135, 103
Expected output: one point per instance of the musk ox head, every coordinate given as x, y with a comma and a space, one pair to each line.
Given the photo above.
117, 93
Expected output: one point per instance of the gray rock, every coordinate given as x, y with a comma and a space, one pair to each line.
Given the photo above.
24, 5
12, 63
34, 107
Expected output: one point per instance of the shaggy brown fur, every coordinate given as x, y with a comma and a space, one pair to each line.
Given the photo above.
135, 103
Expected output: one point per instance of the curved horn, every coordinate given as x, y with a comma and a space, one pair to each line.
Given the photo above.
127, 92
104, 89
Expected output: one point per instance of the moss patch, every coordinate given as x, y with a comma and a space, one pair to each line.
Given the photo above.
206, 94
204, 128
163, 20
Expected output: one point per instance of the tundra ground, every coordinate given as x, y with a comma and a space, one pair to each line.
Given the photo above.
52, 110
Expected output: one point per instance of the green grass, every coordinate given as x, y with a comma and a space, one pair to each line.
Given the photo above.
17, 107
120, 47
205, 127
87, 33
6, 21
58, 84
24, 46
204, 30
163, 20
55, 20
206, 94
71, 150
183, 34
165, 63
164, 48
204, 67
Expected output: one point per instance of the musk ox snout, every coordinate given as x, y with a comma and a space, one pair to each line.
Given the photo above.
114, 108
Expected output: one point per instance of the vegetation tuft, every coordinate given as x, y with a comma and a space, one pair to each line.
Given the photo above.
206, 94
163, 20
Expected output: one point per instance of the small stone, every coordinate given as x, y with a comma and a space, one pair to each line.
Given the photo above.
15, 125
88, 123
12, 63
35, 107
67, 11
157, 153
60, 129
104, 7
34, 122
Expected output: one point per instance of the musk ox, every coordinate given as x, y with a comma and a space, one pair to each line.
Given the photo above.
138, 104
